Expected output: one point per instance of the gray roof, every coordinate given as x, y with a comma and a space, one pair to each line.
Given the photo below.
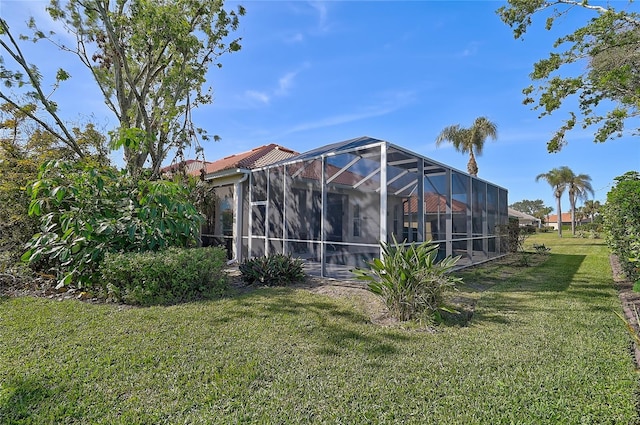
522, 216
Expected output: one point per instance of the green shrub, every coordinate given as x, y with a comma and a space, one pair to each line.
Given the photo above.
410, 280
622, 222
541, 249
274, 270
86, 211
164, 277
586, 227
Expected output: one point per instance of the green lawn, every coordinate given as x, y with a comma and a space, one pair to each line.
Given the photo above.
543, 347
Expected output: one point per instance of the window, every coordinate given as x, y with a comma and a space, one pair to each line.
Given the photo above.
356, 220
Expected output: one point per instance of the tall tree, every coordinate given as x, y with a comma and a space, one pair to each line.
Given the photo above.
591, 208
579, 187
470, 139
557, 179
150, 59
609, 44
535, 208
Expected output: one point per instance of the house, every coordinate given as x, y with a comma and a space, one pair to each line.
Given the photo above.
524, 219
333, 205
552, 220
191, 167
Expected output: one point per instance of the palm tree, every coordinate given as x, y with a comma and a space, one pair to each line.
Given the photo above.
469, 139
557, 179
579, 187
591, 208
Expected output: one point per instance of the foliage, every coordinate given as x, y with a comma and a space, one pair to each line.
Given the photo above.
148, 58
86, 211
541, 249
469, 139
591, 234
622, 222
557, 179
37, 103
164, 277
591, 210
591, 227
609, 41
410, 280
23, 148
579, 186
534, 208
515, 236
272, 270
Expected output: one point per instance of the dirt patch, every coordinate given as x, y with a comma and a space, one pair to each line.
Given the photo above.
630, 301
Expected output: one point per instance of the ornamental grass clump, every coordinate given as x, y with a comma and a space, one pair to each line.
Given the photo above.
410, 280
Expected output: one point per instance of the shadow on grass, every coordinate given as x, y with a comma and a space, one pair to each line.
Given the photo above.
334, 328
554, 274
22, 399
501, 283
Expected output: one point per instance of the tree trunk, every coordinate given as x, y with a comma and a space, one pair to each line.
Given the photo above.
559, 217
572, 200
472, 165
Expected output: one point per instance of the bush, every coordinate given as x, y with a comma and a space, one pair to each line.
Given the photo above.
86, 211
544, 229
541, 249
410, 280
622, 222
165, 277
588, 227
274, 270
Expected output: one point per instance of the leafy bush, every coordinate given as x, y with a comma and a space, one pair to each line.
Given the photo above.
622, 222
544, 229
409, 279
541, 249
587, 227
164, 277
274, 270
87, 211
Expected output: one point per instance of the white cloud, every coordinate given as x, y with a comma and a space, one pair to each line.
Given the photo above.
285, 83
283, 88
321, 9
470, 50
256, 95
390, 102
294, 38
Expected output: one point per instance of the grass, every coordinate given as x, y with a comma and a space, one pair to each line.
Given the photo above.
544, 346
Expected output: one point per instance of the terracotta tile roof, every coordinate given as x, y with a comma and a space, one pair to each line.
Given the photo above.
192, 167
434, 202
566, 218
255, 158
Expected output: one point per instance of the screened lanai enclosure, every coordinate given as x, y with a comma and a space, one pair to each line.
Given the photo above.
333, 205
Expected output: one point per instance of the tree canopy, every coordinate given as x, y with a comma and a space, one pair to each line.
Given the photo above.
149, 59
536, 208
606, 85
470, 139
558, 179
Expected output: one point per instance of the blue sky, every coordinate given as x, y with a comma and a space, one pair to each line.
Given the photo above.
314, 73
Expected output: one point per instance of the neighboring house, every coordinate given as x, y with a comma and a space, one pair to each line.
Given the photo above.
192, 167
333, 205
524, 219
552, 220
